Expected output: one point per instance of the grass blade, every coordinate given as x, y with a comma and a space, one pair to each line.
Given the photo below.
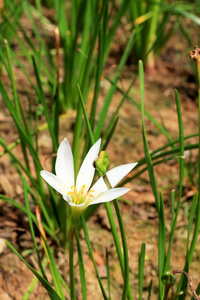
141, 270
161, 246
31, 227
146, 149
52, 293
108, 99
181, 139
81, 267
45, 107
92, 257
108, 274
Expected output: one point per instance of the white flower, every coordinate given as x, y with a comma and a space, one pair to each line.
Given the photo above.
78, 194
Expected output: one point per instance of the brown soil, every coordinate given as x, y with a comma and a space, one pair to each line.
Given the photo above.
173, 71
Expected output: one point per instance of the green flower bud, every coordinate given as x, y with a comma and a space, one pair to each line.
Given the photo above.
101, 163
168, 279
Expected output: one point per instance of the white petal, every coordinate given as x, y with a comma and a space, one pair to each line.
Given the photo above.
86, 172
98, 187
64, 164
54, 181
110, 195
116, 174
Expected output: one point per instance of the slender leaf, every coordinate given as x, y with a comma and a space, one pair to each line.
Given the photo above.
92, 257
146, 149
141, 269
108, 274
52, 293
81, 267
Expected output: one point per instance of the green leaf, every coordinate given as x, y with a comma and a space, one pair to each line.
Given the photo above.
31, 227
161, 245
52, 293
141, 269
45, 107
92, 257
146, 148
81, 267
108, 274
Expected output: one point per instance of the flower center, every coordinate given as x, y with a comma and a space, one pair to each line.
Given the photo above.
80, 197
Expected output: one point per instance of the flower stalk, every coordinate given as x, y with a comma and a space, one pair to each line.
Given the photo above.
73, 227
101, 164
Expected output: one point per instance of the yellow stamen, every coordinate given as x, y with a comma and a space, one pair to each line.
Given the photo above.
73, 193
79, 197
89, 194
73, 187
82, 189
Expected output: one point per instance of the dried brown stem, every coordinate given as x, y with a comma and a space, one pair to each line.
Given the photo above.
195, 54
190, 282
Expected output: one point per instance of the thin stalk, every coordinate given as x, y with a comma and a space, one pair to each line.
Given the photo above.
81, 267
174, 221
195, 55
98, 76
125, 250
198, 71
71, 258
161, 244
108, 273
167, 288
124, 243
92, 256
145, 142
141, 270
71, 270
65, 223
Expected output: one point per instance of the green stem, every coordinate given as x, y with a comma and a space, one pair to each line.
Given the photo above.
71, 259
125, 249
115, 235
198, 72
195, 54
92, 256
71, 270
125, 266
167, 288
16, 102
